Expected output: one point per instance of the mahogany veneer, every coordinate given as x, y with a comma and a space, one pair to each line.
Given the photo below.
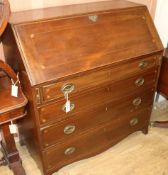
106, 56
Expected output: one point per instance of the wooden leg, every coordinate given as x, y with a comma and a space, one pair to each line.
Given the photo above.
10, 151
145, 130
21, 141
3, 161
160, 124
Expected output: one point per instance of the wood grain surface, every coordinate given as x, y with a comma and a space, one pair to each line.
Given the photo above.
109, 52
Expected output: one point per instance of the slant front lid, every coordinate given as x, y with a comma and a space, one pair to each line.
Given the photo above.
60, 47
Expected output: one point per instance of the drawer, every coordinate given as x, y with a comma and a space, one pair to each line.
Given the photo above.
12, 115
55, 111
96, 78
81, 122
95, 141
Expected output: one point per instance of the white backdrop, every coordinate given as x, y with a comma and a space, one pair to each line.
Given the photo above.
161, 20
17, 5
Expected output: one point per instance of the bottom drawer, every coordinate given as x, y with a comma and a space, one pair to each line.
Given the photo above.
95, 141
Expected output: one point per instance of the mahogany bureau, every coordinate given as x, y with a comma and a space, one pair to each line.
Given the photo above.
89, 72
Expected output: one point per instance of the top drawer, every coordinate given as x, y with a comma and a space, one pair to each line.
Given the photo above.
93, 79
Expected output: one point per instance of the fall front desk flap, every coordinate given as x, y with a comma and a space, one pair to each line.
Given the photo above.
98, 35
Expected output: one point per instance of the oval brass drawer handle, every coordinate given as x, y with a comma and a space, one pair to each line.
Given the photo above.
69, 151
137, 101
143, 64
134, 122
68, 88
69, 129
72, 106
140, 81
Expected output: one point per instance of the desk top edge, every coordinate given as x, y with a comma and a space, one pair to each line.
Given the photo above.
69, 10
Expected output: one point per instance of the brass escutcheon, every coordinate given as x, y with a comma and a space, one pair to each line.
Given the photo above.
134, 121
137, 101
69, 129
72, 106
68, 88
143, 64
69, 151
93, 18
140, 81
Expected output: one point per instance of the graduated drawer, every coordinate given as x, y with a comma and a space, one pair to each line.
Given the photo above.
55, 111
95, 141
86, 120
97, 78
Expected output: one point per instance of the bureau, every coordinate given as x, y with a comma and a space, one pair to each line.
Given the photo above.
89, 72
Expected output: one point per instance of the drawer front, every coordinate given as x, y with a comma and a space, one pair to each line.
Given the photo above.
12, 115
55, 111
93, 79
81, 122
95, 141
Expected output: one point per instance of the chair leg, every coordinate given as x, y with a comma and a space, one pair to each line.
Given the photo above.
160, 124
10, 151
3, 161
